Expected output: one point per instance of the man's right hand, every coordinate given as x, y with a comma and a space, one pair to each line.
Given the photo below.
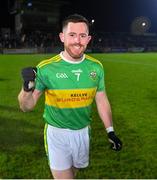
28, 75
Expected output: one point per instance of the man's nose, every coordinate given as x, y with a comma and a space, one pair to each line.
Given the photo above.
77, 39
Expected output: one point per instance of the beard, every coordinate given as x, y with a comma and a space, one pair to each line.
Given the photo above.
75, 51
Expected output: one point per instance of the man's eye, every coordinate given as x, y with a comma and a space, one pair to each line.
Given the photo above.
72, 35
83, 36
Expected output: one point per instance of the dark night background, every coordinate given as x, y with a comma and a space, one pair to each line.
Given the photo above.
109, 15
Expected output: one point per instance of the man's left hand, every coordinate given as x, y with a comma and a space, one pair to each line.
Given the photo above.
116, 143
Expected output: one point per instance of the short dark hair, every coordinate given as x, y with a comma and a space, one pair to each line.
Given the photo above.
75, 18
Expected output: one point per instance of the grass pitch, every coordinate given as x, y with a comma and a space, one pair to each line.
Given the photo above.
131, 85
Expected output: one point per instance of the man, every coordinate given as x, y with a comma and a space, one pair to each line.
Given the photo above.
71, 81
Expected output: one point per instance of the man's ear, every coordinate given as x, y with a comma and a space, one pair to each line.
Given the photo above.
61, 35
89, 38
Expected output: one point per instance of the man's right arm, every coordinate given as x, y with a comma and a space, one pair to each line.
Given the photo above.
28, 100
28, 96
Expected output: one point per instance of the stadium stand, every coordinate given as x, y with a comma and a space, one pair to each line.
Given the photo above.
37, 27
102, 42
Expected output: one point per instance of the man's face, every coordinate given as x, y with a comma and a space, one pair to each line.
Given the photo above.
75, 38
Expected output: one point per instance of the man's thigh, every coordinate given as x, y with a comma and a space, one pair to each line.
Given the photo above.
59, 152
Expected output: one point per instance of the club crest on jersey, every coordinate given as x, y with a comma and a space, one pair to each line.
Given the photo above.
93, 75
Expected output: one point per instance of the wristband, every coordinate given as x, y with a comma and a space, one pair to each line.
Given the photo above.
109, 129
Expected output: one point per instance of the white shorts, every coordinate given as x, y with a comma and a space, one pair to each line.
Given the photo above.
67, 148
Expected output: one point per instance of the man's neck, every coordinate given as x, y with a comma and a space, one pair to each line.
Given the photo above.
71, 60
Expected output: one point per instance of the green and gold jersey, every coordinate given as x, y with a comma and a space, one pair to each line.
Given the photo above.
70, 89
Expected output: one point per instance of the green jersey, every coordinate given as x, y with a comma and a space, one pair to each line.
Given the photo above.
70, 88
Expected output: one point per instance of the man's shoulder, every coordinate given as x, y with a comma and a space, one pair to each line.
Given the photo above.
93, 60
47, 62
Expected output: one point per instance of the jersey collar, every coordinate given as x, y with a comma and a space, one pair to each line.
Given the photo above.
72, 62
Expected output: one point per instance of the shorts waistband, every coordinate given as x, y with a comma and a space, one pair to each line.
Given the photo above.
66, 129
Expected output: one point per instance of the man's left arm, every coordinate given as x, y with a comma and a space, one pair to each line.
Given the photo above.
104, 110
